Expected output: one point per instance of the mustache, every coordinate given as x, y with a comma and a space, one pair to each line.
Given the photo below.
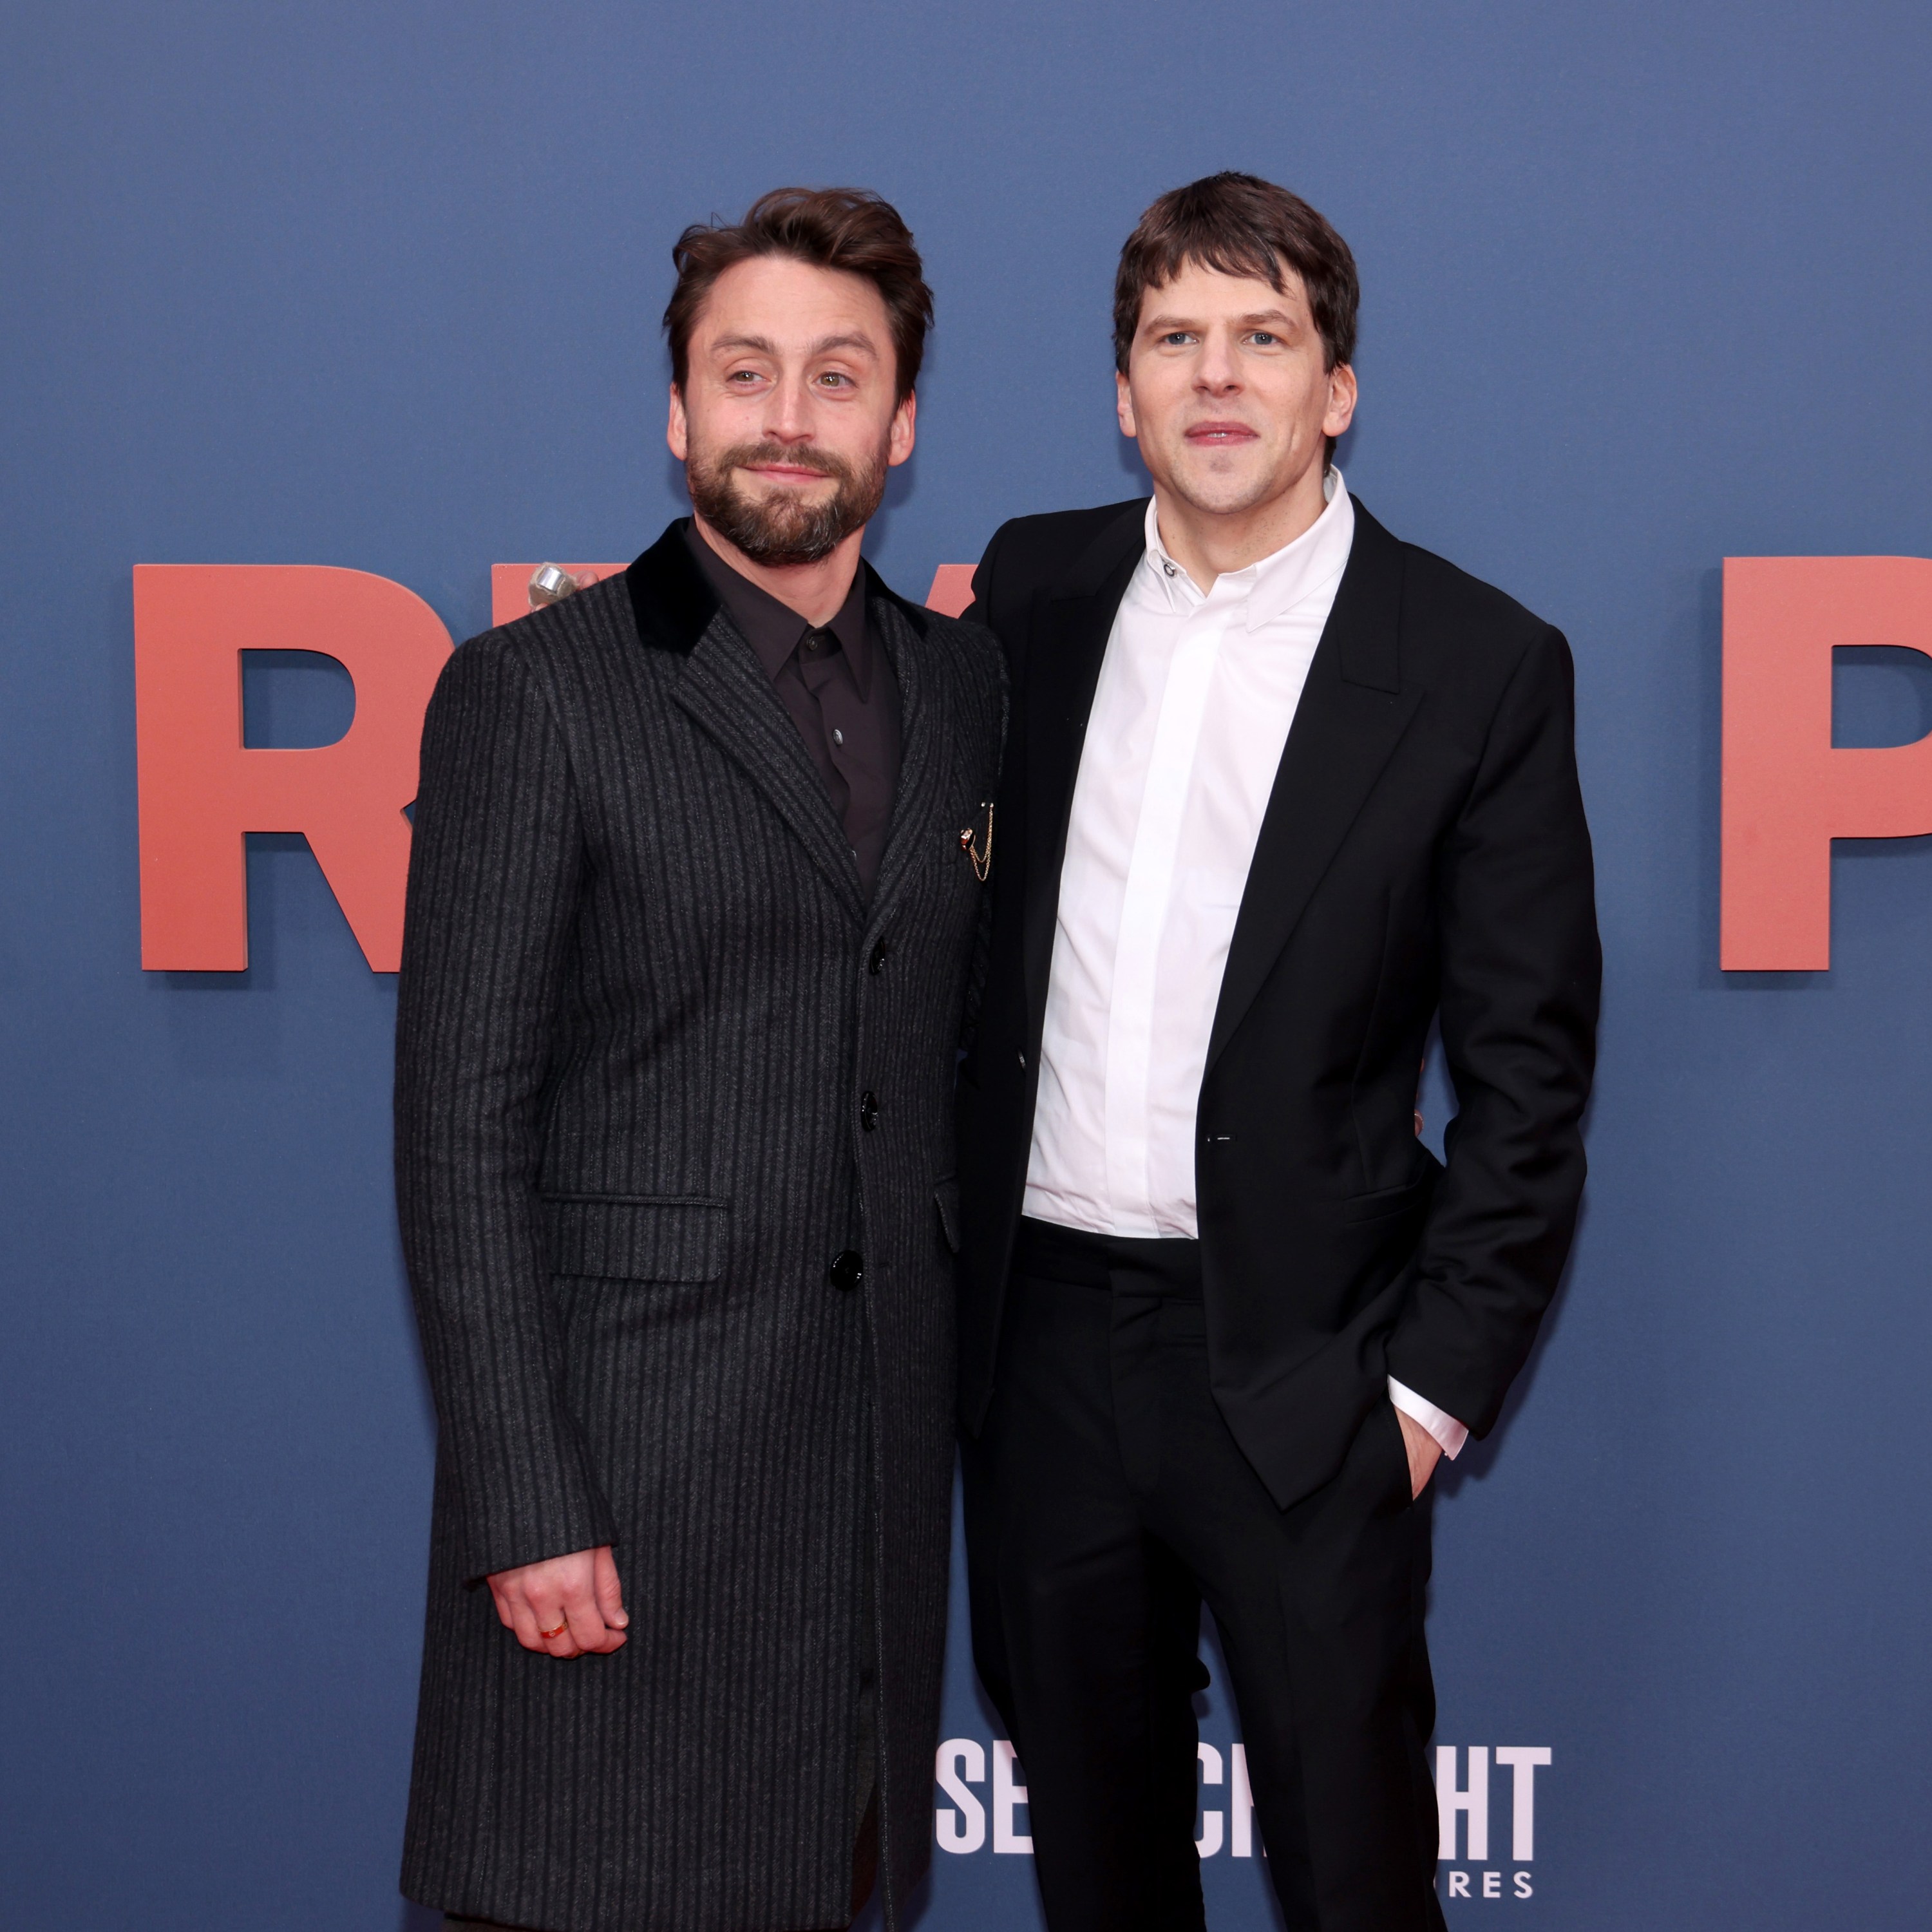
757, 455
783, 530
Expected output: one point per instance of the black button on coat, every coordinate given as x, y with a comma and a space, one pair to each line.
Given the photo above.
633, 1015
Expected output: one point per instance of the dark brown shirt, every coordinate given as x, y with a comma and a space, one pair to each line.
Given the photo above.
838, 684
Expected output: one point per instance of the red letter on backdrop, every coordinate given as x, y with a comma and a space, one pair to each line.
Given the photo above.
951, 589
201, 791
1787, 793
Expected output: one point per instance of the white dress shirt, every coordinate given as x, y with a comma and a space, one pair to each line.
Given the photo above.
1195, 696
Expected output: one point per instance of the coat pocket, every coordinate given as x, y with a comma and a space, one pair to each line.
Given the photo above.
637, 1237
1391, 1424
946, 1193
1386, 1202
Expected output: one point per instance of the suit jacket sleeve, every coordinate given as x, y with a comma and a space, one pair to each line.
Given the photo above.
1520, 973
494, 878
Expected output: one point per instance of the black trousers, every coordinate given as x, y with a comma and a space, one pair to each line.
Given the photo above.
1105, 1501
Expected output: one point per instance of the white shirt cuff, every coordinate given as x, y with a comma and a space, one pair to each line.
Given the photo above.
1440, 1423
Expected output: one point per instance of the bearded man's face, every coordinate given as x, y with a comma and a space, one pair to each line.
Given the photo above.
788, 418
753, 494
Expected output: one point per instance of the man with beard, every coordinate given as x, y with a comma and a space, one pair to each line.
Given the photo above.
689, 934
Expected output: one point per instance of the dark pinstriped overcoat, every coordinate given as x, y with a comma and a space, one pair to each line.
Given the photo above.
639, 1007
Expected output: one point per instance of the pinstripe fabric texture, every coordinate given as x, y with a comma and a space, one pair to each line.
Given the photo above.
637, 1013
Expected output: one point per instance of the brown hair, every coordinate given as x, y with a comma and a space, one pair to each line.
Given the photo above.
849, 228
1239, 225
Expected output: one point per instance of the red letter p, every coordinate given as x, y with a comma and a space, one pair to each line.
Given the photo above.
1788, 793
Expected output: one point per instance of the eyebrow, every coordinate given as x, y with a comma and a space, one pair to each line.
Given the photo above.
764, 346
1258, 315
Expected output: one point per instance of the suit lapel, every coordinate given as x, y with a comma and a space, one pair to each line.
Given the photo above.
922, 742
725, 688
1353, 709
1060, 680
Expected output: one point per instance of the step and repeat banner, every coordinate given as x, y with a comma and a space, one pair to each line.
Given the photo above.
321, 328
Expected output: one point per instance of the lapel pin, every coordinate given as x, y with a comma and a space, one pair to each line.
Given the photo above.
982, 861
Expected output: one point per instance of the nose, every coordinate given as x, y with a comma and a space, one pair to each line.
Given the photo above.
1218, 372
788, 414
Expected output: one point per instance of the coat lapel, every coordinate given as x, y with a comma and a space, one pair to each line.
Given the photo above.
1353, 710
924, 744
1060, 685
725, 688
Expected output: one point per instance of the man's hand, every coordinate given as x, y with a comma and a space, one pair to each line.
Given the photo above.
567, 1605
1424, 1453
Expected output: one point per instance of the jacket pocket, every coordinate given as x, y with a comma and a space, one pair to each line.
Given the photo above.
1385, 1201
1391, 1425
636, 1237
946, 1193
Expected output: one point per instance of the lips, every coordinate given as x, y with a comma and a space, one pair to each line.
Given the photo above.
1220, 434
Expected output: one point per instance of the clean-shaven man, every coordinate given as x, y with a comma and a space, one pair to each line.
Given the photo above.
1281, 790
689, 931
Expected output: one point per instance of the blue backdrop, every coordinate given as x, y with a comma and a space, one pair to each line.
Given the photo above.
378, 286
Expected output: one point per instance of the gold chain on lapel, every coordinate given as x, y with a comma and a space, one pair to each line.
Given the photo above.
982, 862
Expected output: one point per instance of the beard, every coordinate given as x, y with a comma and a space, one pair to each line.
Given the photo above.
783, 530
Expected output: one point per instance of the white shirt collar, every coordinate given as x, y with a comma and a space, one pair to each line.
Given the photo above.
1271, 587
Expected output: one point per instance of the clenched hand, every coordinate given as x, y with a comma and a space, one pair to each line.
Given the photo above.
565, 1605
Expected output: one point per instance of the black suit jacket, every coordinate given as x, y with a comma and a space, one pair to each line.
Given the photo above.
1423, 851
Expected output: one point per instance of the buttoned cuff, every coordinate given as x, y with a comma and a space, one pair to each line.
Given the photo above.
1440, 1423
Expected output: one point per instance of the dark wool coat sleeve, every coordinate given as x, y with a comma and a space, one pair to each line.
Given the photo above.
493, 877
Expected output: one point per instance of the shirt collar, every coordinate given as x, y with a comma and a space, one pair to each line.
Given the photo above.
1271, 587
773, 629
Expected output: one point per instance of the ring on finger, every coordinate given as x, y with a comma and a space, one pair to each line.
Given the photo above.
548, 1635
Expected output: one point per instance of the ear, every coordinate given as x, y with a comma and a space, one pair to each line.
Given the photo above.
1341, 411
905, 423
1123, 405
677, 430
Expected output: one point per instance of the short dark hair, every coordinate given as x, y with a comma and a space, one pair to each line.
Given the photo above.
850, 229
1239, 225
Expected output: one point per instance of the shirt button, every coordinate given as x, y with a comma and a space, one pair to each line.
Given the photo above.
868, 1111
1022, 1063
881, 953
1166, 566
848, 1270
838, 736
